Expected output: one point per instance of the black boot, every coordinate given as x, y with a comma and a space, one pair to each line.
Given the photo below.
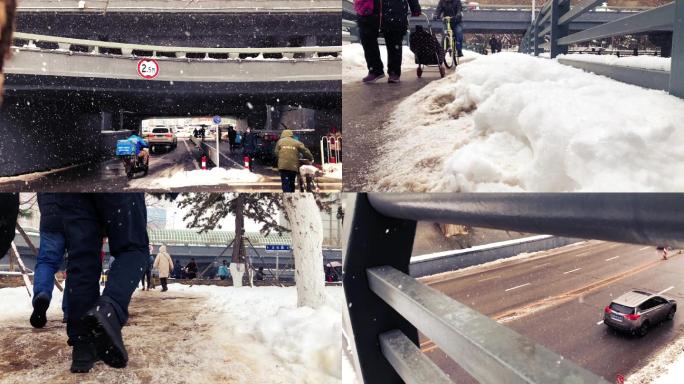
40, 305
83, 355
105, 329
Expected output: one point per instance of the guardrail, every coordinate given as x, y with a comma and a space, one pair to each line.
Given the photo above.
549, 32
123, 49
387, 307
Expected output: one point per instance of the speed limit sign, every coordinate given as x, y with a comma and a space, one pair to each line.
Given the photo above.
148, 68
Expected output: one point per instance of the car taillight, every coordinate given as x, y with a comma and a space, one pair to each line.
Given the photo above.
607, 309
633, 316
169, 135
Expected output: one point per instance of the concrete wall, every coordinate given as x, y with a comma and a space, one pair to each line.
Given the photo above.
41, 138
448, 261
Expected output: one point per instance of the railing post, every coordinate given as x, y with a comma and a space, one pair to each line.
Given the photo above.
677, 68
374, 240
558, 9
536, 37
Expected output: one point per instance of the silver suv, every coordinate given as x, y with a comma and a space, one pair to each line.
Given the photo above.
637, 311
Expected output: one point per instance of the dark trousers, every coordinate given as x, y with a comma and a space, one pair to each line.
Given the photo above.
162, 280
87, 218
394, 39
288, 180
147, 275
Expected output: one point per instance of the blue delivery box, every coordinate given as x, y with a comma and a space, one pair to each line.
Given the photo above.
125, 148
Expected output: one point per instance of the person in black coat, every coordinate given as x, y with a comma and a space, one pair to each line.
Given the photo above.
388, 17
9, 210
249, 146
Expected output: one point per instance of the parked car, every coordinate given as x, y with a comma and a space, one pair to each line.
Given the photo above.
637, 311
161, 136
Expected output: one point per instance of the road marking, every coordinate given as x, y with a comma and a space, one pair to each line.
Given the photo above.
600, 322
187, 148
489, 278
540, 265
641, 249
583, 253
519, 286
665, 290
576, 269
612, 258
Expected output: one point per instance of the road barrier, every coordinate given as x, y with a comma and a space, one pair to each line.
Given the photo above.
550, 32
386, 306
425, 265
331, 149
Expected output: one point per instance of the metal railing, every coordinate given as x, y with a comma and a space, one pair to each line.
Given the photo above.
96, 47
550, 32
387, 307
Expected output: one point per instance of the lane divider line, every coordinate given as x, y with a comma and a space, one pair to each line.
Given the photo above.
665, 290
641, 249
574, 270
612, 258
518, 286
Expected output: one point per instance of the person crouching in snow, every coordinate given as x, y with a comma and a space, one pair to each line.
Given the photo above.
164, 264
94, 321
287, 150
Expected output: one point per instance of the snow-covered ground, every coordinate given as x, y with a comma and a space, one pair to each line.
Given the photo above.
512, 122
667, 367
206, 334
644, 62
333, 171
214, 176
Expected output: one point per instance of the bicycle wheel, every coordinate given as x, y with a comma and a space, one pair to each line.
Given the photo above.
449, 57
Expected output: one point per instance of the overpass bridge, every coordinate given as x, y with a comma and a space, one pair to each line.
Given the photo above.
65, 91
185, 244
497, 19
205, 23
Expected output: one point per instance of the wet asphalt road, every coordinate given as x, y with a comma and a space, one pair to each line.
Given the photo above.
557, 300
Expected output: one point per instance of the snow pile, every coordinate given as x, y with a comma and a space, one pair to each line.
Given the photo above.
643, 62
512, 122
354, 66
333, 171
16, 302
214, 176
305, 342
666, 368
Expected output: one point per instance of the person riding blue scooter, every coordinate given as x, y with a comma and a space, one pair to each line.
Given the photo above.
134, 153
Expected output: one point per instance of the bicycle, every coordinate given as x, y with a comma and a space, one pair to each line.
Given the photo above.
449, 44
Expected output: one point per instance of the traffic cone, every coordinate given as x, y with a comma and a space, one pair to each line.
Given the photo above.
204, 162
246, 161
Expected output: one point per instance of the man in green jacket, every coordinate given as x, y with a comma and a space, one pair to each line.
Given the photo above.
287, 151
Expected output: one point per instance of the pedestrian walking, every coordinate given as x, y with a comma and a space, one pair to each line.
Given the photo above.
231, 137
49, 260
249, 147
164, 264
177, 270
147, 274
191, 269
288, 151
389, 18
95, 320
223, 271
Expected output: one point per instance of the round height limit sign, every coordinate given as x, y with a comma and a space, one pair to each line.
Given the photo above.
148, 68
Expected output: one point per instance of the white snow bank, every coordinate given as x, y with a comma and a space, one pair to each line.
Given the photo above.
667, 367
214, 176
304, 341
354, 66
16, 303
512, 122
643, 62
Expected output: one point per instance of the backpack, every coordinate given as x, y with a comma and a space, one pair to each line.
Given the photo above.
364, 7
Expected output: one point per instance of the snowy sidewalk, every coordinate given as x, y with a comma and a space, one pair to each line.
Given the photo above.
204, 334
512, 122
